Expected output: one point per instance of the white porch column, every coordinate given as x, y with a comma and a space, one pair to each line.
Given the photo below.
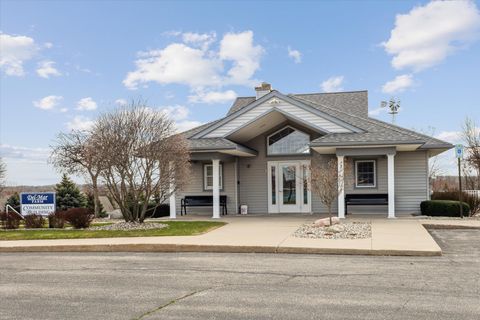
173, 207
341, 188
391, 185
216, 188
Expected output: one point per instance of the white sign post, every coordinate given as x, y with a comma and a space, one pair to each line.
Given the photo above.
459, 155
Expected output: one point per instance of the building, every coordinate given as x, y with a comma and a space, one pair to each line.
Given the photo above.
259, 154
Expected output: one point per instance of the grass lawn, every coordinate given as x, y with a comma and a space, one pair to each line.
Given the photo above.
175, 228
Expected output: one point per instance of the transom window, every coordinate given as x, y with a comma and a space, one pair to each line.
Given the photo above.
288, 141
365, 173
208, 177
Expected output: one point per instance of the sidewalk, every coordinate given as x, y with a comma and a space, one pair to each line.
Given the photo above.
272, 234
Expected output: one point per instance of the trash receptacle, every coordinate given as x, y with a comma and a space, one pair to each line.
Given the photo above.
243, 209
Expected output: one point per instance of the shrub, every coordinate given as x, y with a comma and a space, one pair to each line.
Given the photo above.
34, 221
443, 208
79, 218
10, 220
56, 220
473, 201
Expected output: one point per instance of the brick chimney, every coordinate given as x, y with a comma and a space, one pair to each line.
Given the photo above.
263, 89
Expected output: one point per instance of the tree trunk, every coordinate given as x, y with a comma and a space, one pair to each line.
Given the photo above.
96, 198
330, 214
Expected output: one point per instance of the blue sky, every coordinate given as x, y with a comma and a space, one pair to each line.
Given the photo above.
62, 63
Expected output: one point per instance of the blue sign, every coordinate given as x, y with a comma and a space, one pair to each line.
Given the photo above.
42, 203
459, 151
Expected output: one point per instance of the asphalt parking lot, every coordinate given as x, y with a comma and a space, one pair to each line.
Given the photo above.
244, 286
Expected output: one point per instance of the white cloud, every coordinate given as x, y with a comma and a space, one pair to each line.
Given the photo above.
48, 102
121, 102
176, 112
46, 69
80, 123
48, 45
191, 63
245, 56
450, 136
399, 84
186, 125
203, 40
179, 115
427, 34
212, 96
295, 55
332, 84
177, 63
63, 110
86, 104
15, 50
23, 153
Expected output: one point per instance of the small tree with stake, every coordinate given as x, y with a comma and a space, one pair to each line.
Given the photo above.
324, 181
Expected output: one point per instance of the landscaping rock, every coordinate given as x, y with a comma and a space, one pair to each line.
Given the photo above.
115, 214
350, 230
125, 226
326, 222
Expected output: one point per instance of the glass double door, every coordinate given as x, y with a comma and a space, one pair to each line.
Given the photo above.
288, 186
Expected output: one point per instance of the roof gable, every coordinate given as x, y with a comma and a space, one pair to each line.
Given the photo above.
254, 110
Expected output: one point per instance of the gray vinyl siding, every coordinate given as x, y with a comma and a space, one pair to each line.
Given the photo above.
411, 176
381, 176
195, 187
252, 175
300, 113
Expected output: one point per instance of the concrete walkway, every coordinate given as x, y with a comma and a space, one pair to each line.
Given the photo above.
272, 234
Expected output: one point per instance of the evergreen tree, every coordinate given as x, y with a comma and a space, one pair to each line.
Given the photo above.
69, 195
14, 200
91, 204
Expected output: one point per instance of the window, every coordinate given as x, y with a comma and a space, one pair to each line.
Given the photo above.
208, 176
288, 141
365, 173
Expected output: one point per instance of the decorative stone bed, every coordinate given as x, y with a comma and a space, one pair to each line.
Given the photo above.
348, 230
125, 226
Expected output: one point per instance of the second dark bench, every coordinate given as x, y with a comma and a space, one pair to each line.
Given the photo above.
370, 199
202, 201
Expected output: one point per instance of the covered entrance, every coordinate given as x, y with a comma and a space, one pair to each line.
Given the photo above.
288, 186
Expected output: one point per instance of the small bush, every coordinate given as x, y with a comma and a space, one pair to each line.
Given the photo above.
34, 221
473, 201
56, 220
79, 218
10, 220
443, 208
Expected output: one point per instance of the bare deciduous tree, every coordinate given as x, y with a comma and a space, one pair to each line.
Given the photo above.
3, 174
324, 181
142, 157
74, 153
471, 137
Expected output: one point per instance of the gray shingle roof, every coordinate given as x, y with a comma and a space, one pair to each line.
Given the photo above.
350, 107
355, 102
211, 144
239, 103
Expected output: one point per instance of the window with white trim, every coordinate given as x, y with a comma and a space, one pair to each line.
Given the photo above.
365, 173
288, 141
208, 176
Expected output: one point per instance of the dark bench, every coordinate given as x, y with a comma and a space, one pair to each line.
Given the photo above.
370, 199
202, 201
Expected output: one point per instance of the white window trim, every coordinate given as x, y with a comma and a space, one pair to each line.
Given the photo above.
205, 186
374, 174
283, 154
